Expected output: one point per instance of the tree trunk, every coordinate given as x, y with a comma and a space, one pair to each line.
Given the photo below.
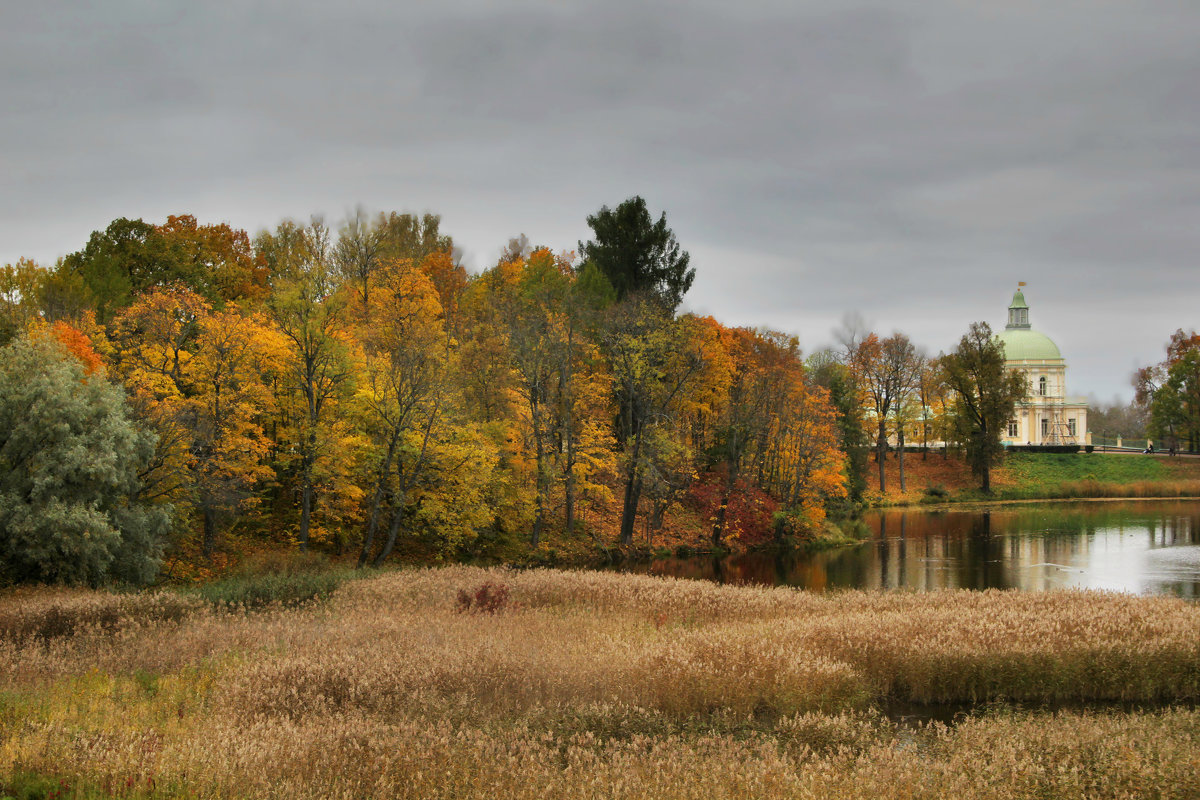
569, 432
881, 458
539, 520
306, 462
985, 462
403, 489
570, 487
633, 492
633, 495
718, 531
393, 531
539, 446
656, 515
210, 531
385, 471
900, 456
306, 500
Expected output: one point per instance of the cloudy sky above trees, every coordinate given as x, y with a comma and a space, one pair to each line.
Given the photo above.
908, 161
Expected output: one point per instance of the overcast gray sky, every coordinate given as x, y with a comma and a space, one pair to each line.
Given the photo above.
910, 161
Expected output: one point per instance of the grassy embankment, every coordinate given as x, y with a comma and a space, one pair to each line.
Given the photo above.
592, 685
1031, 476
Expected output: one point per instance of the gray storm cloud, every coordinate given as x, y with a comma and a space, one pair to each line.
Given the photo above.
910, 160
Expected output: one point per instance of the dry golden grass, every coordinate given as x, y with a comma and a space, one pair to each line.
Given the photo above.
596, 685
44, 613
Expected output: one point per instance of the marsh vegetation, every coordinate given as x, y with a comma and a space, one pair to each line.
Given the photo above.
594, 685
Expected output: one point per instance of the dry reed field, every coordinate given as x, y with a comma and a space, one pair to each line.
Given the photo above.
462, 683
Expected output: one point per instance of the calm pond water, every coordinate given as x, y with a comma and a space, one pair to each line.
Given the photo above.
1150, 547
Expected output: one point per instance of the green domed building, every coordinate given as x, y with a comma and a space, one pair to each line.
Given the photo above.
1048, 415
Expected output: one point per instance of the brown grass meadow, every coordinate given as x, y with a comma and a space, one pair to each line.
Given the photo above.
596, 685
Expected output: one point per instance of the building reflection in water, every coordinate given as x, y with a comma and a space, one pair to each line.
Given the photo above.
1140, 547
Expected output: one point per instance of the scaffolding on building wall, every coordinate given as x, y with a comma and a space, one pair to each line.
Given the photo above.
1059, 431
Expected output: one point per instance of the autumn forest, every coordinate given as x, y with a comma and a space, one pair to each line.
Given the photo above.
351, 388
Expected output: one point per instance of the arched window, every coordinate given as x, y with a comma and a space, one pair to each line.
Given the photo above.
1042, 386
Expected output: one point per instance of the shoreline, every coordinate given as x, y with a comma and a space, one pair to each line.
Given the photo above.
1024, 501
638, 555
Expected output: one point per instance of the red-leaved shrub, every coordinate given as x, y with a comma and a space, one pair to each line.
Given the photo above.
749, 517
487, 598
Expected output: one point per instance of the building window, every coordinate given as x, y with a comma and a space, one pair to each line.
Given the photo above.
1042, 386
1071, 426
1012, 429
1045, 425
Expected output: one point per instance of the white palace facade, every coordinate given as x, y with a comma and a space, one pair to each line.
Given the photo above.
1048, 416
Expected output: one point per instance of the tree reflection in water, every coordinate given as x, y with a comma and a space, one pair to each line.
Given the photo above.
1111, 545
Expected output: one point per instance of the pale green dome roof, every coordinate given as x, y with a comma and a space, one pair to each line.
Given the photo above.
1023, 344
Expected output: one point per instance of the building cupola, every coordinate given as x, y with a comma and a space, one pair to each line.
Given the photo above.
1018, 313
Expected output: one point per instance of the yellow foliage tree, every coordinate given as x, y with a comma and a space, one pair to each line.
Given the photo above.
434, 470
311, 314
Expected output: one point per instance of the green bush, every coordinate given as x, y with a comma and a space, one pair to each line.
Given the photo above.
29, 786
70, 461
256, 591
284, 578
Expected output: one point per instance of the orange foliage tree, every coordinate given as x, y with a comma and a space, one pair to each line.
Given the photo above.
888, 370
217, 261
200, 378
775, 432
78, 344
